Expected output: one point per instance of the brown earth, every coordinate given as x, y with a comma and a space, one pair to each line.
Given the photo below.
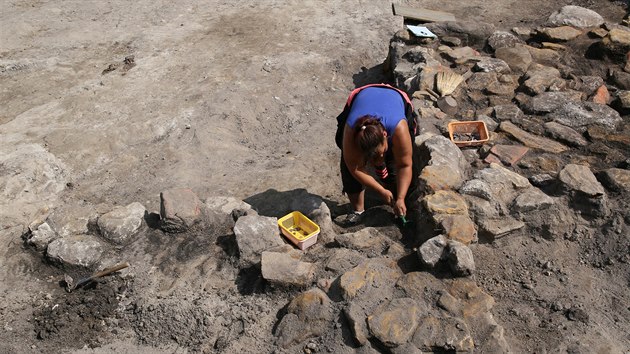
236, 99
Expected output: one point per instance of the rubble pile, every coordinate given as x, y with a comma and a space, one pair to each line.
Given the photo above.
555, 101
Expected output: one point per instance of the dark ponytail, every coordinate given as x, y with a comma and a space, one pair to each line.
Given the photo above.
368, 133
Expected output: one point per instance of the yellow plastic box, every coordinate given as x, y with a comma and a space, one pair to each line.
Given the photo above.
475, 129
299, 229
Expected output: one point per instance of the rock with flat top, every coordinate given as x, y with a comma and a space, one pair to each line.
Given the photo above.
531, 140
284, 270
580, 116
488, 64
575, 16
547, 102
433, 250
180, 208
308, 315
586, 194
497, 227
367, 239
255, 234
518, 58
77, 250
446, 167
501, 39
394, 322
616, 179
559, 34
565, 134
532, 199
122, 223
460, 259
449, 334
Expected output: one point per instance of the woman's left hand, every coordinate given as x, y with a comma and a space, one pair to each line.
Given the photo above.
400, 209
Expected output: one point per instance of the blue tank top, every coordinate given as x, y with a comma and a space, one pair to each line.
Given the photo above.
384, 103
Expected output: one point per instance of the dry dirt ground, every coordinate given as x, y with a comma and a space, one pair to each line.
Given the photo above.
227, 98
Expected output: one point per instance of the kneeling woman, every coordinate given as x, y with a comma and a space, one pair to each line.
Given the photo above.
377, 133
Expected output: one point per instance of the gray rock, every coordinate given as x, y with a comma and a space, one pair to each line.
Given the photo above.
284, 270
580, 178
342, 260
315, 209
471, 32
220, 210
539, 78
72, 219
575, 16
532, 199
433, 250
308, 315
460, 259
255, 234
77, 250
509, 112
616, 44
531, 140
580, 115
180, 208
490, 123
497, 227
122, 223
621, 79
481, 208
616, 179
504, 184
488, 64
447, 166
623, 100
589, 84
373, 277
356, 315
547, 102
501, 39
41, 236
481, 80
542, 180
477, 188
586, 193
518, 58
447, 334
565, 134
394, 323
367, 239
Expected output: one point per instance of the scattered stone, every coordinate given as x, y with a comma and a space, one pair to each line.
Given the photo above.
490, 123
282, 269
498, 227
72, 219
518, 58
616, 179
444, 202
452, 41
462, 54
547, 102
595, 132
460, 259
506, 154
122, 223
501, 39
523, 31
598, 33
472, 32
601, 96
481, 80
554, 46
367, 239
446, 166
308, 315
226, 210
343, 259
488, 64
621, 79
539, 78
530, 140
447, 334
509, 112
255, 234
477, 188
41, 236
617, 44
575, 16
459, 228
448, 105
580, 115
623, 100
577, 314
559, 34
394, 323
180, 208
77, 250
371, 274
542, 180
433, 250
532, 199
544, 55
565, 134
580, 178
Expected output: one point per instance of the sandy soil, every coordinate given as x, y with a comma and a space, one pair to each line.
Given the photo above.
227, 98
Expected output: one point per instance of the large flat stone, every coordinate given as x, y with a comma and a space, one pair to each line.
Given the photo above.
616, 179
343, 259
308, 315
122, 223
497, 227
282, 269
371, 274
445, 202
394, 323
518, 58
459, 228
532, 199
547, 102
580, 178
580, 116
565, 134
255, 234
77, 250
446, 165
575, 16
531, 140
367, 239
448, 334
